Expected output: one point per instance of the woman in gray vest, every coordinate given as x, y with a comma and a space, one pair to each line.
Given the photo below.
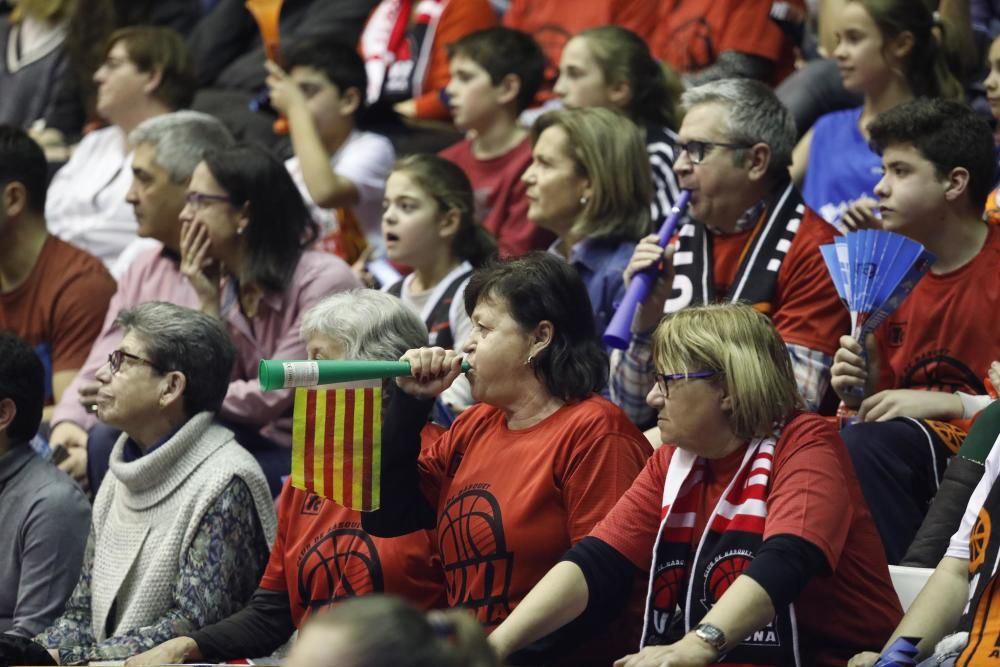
183, 523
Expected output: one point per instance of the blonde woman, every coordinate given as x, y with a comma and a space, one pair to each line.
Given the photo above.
751, 524
589, 183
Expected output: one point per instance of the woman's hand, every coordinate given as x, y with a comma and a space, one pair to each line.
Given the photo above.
849, 369
688, 652
647, 253
994, 375
202, 272
866, 659
860, 214
432, 370
173, 652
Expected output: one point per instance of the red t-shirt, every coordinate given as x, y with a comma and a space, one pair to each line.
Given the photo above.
814, 495
553, 22
510, 503
807, 309
501, 201
59, 309
690, 34
945, 334
321, 555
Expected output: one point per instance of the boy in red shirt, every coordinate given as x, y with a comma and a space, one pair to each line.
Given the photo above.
939, 166
495, 74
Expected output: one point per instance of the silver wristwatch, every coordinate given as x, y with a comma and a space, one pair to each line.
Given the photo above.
711, 635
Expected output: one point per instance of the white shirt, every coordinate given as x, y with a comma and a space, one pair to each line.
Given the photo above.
86, 200
365, 159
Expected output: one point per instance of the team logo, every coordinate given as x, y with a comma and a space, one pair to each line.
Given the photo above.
721, 572
978, 540
311, 505
690, 45
939, 372
343, 564
477, 565
667, 586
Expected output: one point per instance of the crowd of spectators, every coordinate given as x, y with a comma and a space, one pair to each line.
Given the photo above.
471, 186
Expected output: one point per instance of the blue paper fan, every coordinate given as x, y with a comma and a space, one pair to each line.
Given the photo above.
873, 271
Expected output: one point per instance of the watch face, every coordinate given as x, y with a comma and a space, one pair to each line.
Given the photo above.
711, 634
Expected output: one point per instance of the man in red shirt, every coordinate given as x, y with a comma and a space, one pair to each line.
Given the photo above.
52, 294
939, 166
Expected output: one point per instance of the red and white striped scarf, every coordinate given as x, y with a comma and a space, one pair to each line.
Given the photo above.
684, 586
384, 41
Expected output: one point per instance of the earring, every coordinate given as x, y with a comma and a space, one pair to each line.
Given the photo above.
530, 361
583, 201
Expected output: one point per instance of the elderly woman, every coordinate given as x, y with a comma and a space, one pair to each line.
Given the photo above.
181, 526
751, 524
356, 324
527, 472
589, 183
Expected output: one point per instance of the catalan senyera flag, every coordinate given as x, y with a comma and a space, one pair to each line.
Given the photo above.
337, 443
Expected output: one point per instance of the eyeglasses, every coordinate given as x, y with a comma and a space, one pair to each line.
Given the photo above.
198, 200
696, 149
116, 358
663, 379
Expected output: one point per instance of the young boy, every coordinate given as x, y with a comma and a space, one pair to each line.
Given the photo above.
340, 169
939, 165
495, 74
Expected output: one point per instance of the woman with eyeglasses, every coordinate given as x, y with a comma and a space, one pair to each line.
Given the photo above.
244, 230
183, 522
751, 523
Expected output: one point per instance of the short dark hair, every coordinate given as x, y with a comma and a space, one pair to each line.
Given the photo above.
22, 380
339, 62
502, 51
280, 226
22, 160
948, 134
156, 48
181, 339
540, 286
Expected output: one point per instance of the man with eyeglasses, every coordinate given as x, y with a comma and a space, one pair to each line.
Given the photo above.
748, 237
167, 149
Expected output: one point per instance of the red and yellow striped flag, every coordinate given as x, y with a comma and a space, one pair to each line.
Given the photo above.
337, 443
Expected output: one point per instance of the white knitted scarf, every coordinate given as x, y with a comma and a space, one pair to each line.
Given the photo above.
148, 511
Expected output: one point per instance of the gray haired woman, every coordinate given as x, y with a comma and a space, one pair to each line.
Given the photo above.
322, 556
182, 525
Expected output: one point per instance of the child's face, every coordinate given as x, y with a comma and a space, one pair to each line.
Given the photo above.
992, 82
331, 111
581, 82
472, 97
412, 223
859, 52
911, 193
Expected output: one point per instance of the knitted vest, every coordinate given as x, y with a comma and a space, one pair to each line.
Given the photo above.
147, 513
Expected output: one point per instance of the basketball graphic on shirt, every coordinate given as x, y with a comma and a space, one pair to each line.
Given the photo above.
939, 371
477, 564
344, 563
721, 574
978, 540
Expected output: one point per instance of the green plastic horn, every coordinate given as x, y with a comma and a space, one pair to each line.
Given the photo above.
274, 374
